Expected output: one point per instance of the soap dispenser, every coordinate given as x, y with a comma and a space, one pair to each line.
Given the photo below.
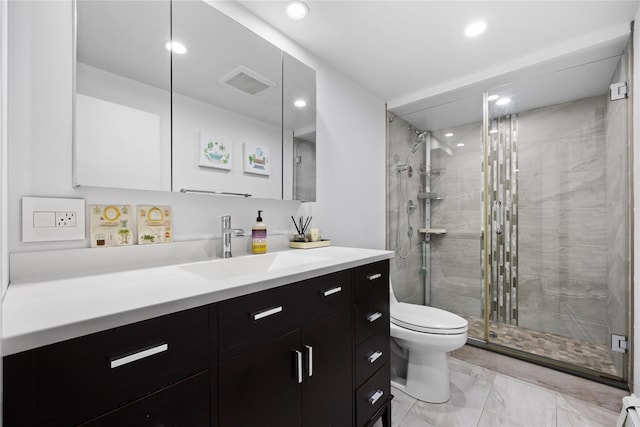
259, 236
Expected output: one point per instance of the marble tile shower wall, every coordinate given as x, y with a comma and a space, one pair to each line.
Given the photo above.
562, 181
616, 166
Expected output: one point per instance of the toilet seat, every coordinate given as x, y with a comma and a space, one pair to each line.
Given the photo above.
415, 318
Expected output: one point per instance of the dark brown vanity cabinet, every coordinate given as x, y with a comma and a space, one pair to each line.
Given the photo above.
303, 376
311, 353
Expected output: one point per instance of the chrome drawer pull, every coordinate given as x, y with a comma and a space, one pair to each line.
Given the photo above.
266, 313
138, 355
374, 356
299, 366
374, 276
309, 360
374, 316
376, 396
332, 291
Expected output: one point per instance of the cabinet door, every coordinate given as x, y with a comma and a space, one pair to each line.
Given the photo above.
261, 387
183, 404
327, 384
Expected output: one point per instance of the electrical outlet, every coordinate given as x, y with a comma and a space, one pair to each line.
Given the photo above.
46, 219
65, 219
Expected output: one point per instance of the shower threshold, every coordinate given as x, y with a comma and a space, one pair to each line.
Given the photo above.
537, 346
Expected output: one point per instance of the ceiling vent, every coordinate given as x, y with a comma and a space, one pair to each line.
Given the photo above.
246, 80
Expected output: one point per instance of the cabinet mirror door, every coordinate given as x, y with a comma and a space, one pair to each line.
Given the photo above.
227, 106
299, 129
122, 105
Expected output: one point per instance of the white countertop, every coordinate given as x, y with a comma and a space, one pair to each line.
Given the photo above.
37, 313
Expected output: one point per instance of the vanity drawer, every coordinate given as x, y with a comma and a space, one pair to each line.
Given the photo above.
372, 395
185, 403
104, 370
325, 295
372, 315
371, 355
370, 279
257, 318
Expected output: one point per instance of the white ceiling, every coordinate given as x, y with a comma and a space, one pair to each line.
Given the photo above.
403, 51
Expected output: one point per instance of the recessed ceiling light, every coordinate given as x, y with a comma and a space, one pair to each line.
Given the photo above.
300, 103
448, 135
492, 97
297, 10
460, 144
475, 29
503, 101
176, 47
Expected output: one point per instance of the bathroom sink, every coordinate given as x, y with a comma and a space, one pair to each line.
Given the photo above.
251, 264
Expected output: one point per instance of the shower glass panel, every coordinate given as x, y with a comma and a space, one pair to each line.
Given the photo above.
440, 264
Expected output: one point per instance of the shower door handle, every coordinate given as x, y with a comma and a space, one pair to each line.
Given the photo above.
498, 217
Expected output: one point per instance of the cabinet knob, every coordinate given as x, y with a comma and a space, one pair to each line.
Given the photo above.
141, 354
374, 356
374, 316
376, 396
266, 313
374, 276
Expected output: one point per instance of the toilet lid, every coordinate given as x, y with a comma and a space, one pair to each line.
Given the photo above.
427, 319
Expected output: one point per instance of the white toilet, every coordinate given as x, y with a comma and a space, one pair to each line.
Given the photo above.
426, 334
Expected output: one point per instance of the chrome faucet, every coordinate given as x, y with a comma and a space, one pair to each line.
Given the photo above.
227, 232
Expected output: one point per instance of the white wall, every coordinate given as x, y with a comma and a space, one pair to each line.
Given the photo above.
351, 207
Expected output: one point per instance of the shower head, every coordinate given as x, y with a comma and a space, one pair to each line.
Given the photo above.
415, 146
420, 138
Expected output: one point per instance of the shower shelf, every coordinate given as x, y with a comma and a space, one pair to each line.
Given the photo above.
432, 230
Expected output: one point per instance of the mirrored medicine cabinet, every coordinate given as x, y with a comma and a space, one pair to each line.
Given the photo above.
233, 114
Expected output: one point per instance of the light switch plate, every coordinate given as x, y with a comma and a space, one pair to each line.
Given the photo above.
46, 219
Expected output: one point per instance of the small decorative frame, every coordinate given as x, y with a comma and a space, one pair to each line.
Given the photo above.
257, 159
215, 152
154, 224
110, 225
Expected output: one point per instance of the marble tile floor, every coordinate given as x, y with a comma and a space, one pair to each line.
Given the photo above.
491, 390
556, 347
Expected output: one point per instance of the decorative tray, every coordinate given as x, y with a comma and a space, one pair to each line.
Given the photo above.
310, 245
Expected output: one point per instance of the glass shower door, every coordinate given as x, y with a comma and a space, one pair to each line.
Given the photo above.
557, 221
